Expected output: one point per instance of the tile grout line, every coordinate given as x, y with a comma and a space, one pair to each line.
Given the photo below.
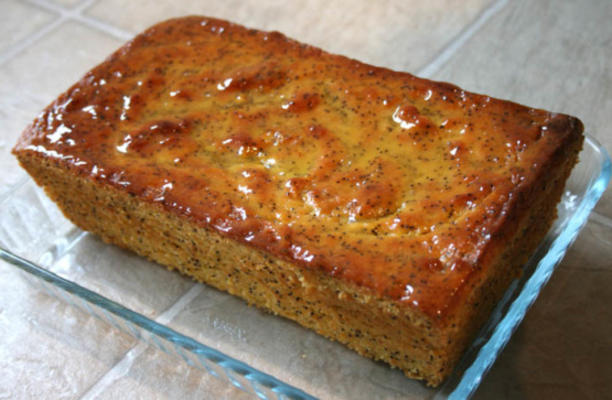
458, 41
123, 366
76, 14
62, 15
104, 27
31, 39
601, 219
56, 8
66, 12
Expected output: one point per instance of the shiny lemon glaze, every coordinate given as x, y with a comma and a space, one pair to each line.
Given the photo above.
377, 177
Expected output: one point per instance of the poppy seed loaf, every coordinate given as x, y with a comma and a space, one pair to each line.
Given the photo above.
384, 211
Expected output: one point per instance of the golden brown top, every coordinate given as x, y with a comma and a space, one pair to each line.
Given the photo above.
380, 178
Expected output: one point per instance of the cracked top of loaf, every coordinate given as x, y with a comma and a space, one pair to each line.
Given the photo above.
387, 181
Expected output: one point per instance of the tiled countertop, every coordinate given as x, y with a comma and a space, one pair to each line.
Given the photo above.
552, 54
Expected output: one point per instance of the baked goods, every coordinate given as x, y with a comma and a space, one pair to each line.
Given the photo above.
384, 211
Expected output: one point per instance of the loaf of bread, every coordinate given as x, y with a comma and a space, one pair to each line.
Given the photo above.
384, 211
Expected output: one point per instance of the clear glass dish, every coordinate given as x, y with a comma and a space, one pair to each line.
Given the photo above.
262, 354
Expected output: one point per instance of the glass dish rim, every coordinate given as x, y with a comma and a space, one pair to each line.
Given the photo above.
456, 387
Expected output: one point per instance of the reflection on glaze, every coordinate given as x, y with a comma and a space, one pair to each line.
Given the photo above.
225, 84
400, 117
301, 254
58, 134
123, 147
408, 291
378, 178
126, 107
302, 103
91, 110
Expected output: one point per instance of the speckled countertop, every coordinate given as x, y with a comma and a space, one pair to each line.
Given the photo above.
547, 54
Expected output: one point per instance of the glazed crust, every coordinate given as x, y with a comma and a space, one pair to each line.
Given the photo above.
417, 194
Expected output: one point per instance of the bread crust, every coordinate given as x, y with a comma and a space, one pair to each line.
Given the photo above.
384, 211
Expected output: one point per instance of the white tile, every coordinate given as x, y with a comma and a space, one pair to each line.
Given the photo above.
392, 33
19, 19
47, 348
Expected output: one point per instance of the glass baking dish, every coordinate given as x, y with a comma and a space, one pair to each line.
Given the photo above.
265, 355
